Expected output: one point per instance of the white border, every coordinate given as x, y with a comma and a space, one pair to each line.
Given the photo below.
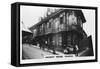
50, 59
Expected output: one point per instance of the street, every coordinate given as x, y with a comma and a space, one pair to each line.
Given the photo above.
34, 52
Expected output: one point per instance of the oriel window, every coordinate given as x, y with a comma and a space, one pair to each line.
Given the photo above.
71, 18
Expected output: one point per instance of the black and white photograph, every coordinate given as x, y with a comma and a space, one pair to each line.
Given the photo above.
56, 34
53, 34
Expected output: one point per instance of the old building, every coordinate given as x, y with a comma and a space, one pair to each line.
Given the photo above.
26, 34
61, 30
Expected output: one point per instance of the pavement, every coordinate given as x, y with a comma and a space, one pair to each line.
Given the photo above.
34, 52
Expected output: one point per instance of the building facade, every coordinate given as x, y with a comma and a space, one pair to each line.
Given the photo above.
60, 31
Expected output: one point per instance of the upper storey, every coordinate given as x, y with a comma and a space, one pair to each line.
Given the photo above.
58, 21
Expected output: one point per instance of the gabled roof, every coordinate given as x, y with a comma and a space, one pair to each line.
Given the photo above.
80, 13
